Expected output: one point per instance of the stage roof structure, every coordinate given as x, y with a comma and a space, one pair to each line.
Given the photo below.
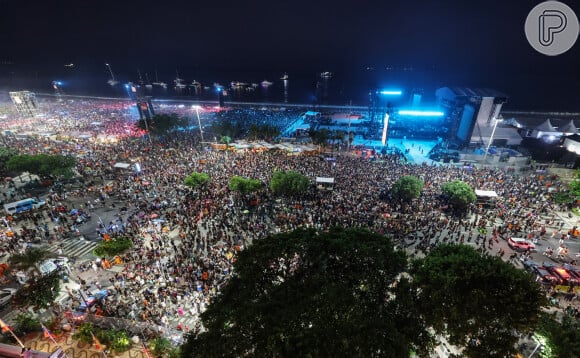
546, 126
569, 128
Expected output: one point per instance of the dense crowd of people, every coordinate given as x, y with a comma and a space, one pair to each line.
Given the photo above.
186, 240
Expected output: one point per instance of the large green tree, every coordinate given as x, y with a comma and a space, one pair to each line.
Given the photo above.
559, 338
480, 302
5, 155
43, 165
161, 124
289, 183
40, 291
407, 188
244, 185
314, 294
195, 180
459, 194
30, 258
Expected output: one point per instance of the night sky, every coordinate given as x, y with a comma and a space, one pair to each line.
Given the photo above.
468, 43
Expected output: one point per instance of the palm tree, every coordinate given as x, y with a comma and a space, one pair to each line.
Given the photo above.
30, 258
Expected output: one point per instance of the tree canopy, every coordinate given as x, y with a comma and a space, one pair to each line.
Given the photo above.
43, 165
244, 185
39, 291
314, 294
196, 179
407, 188
30, 258
161, 124
479, 301
289, 183
459, 194
5, 155
560, 339
262, 132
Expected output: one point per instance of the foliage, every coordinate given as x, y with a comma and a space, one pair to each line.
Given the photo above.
561, 339
39, 291
30, 258
563, 197
5, 154
26, 323
159, 346
262, 132
113, 246
195, 180
459, 194
84, 331
244, 185
114, 339
43, 165
313, 294
476, 298
319, 137
407, 188
289, 183
226, 127
161, 124
225, 140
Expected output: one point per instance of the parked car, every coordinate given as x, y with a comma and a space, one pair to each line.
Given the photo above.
6, 295
519, 244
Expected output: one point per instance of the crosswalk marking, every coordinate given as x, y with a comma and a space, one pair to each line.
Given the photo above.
75, 248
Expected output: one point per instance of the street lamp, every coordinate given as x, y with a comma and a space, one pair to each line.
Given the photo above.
197, 107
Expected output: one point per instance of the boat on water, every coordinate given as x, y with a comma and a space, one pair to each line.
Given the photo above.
112, 81
148, 84
179, 82
326, 75
284, 77
157, 83
266, 83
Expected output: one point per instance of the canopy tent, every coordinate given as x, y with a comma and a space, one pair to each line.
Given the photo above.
122, 165
324, 180
485, 193
324, 183
546, 126
569, 128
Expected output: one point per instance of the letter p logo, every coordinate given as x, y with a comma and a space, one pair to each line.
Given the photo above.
552, 28
551, 22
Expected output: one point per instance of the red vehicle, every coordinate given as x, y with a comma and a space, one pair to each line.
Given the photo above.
519, 244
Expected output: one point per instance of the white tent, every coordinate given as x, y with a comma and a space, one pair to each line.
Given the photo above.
486, 193
122, 165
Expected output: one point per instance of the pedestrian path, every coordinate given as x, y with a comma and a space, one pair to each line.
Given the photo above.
75, 248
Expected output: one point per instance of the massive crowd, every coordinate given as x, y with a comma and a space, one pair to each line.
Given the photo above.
185, 241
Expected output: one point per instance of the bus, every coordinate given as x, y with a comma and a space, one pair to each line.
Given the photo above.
22, 206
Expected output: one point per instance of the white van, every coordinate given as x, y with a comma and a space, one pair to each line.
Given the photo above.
22, 206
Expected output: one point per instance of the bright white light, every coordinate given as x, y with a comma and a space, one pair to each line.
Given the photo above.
421, 113
391, 93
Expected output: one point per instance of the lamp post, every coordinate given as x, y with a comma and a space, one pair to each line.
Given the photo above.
197, 107
497, 120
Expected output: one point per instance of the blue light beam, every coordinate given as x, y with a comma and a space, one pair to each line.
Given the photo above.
421, 113
391, 92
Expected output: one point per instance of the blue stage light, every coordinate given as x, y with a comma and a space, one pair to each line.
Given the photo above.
391, 92
421, 113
